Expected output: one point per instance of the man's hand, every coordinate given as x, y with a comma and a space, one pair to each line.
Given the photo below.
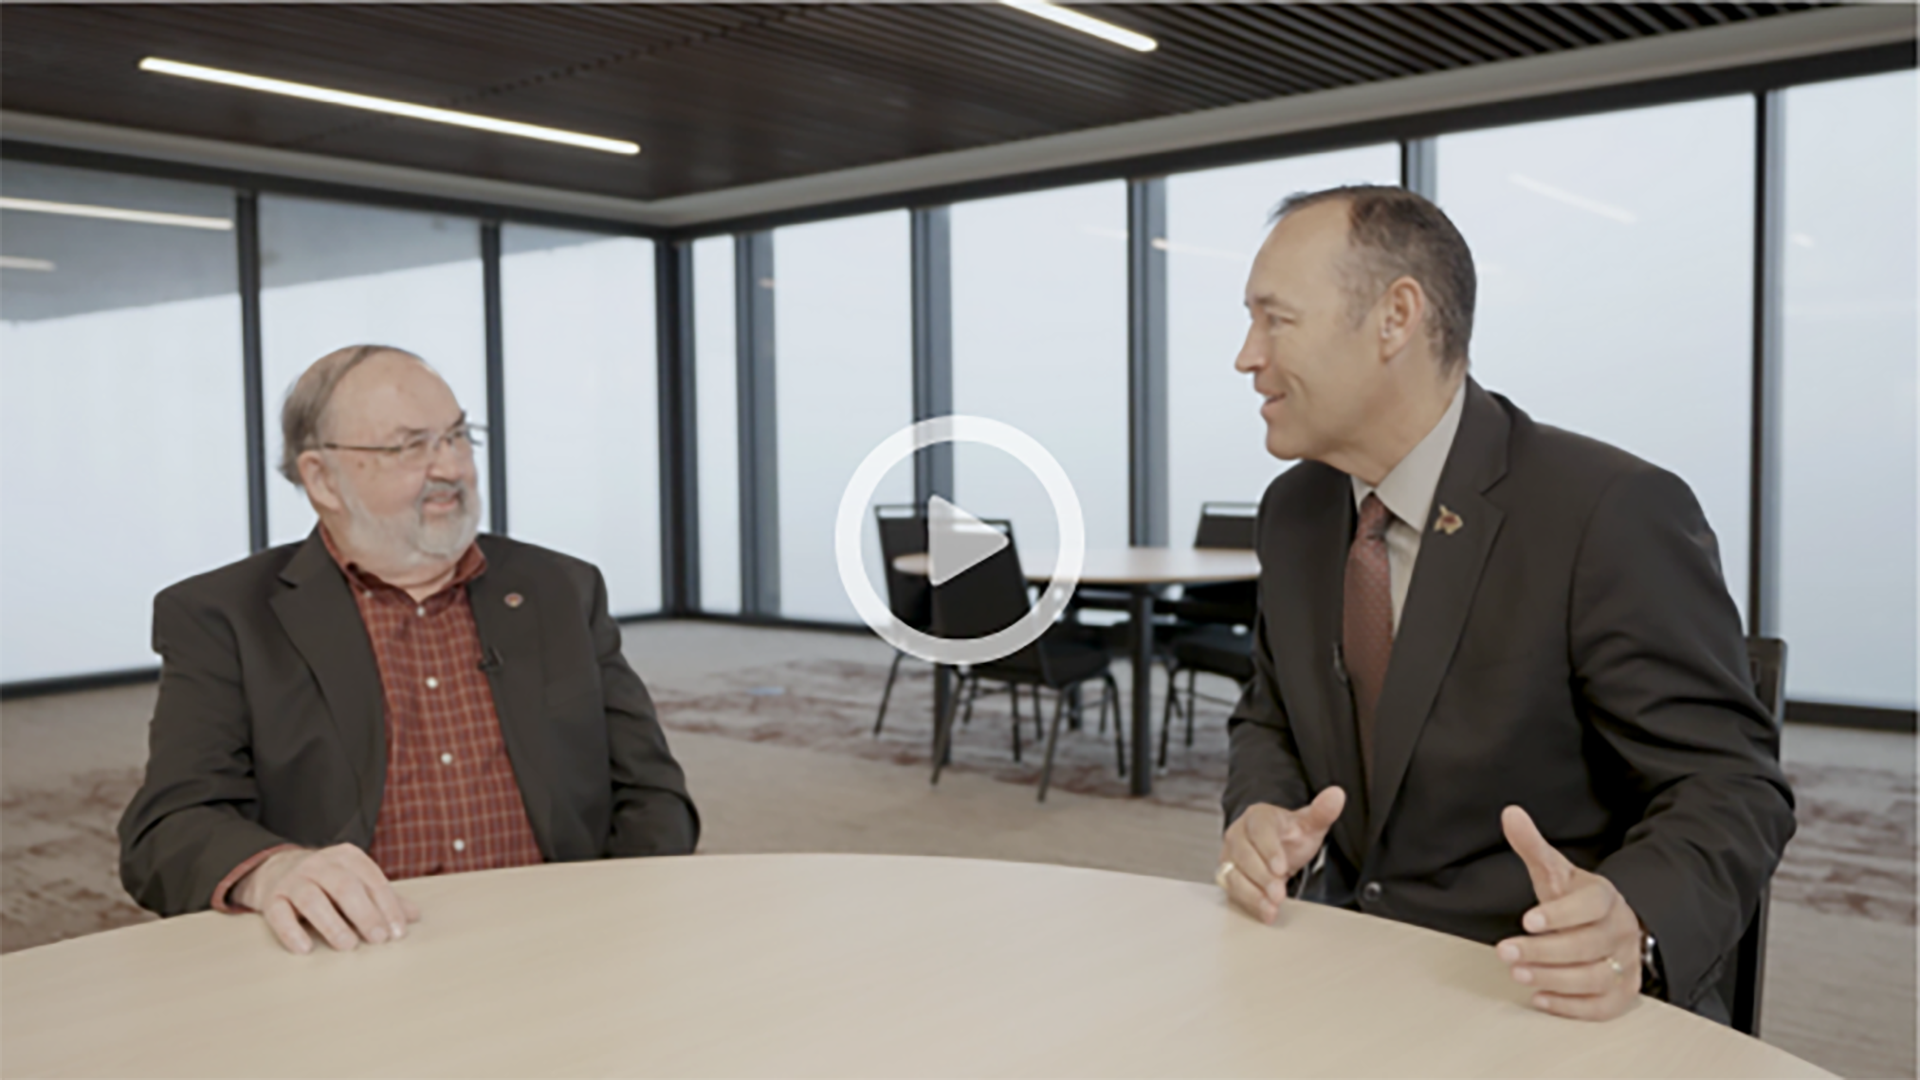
339, 891
1582, 952
1268, 845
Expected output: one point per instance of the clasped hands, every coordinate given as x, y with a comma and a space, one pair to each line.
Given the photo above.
1581, 951
339, 891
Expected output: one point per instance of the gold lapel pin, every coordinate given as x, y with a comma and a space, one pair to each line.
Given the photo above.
514, 599
1448, 522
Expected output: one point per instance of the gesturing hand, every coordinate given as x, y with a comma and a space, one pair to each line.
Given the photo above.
339, 891
1582, 952
1267, 845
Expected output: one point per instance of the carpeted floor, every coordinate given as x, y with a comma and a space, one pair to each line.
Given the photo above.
774, 729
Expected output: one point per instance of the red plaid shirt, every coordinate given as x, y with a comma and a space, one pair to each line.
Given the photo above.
451, 802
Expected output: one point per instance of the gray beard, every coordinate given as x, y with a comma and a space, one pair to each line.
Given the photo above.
407, 540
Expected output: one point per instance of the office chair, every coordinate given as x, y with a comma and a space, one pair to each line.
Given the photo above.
989, 597
903, 531
1214, 631
1742, 981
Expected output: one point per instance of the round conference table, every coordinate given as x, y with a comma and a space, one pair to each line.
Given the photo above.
810, 965
1141, 571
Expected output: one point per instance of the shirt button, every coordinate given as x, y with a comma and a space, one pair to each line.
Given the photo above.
459, 845
1370, 893
368, 593
446, 759
433, 683
421, 611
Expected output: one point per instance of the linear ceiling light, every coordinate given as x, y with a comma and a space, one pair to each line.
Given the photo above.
386, 105
15, 262
115, 213
1086, 24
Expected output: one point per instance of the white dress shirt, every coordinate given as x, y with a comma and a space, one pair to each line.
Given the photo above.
1407, 492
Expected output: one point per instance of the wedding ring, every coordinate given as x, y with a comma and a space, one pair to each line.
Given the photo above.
1220, 875
1618, 970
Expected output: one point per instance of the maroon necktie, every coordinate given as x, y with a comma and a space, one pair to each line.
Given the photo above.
1366, 631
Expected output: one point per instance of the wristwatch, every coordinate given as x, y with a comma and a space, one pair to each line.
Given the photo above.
1651, 979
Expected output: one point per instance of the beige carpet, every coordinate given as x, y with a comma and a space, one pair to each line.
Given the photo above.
773, 725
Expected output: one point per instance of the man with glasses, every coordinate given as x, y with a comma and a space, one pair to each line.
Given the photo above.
392, 697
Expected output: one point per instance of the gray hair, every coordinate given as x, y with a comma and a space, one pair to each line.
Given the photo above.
1394, 233
305, 409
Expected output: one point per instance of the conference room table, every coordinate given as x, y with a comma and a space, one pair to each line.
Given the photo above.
822, 965
1142, 572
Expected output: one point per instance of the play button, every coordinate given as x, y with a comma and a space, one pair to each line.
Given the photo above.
957, 541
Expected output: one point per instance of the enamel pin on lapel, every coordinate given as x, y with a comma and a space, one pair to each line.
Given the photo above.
514, 599
1448, 522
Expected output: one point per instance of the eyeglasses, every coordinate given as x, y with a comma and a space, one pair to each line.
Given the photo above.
417, 451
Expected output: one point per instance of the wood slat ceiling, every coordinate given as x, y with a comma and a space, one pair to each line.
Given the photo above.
721, 95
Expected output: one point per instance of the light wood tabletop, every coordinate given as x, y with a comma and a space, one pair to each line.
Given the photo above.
1133, 566
807, 965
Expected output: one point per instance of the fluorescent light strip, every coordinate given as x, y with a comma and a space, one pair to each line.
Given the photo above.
15, 262
1086, 24
115, 213
386, 105
1591, 206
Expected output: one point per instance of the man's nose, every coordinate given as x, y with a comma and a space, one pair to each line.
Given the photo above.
1251, 359
449, 461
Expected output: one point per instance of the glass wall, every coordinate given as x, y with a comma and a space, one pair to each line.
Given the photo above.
843, 354
1615, 256
1216, 221
123, 460
582, 389
335, 274
1040, 342
1847, 587
717, 420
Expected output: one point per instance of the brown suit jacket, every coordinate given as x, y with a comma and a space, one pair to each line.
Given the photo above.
269, 724
1571, 648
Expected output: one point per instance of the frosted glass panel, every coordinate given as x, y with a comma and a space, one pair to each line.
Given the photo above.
717, 417
1615, 256
1040, 342
843, 348
583, 443
1216, 220
1847, 588
334, 274
123, 464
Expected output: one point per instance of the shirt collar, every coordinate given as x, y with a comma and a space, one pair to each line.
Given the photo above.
473, 563
1408, 489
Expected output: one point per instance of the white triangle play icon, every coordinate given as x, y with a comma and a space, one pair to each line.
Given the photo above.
957, 541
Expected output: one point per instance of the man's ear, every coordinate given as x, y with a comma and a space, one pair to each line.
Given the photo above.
1403, 316
319, 482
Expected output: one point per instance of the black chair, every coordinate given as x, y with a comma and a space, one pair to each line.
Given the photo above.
903, 531
1742, 980
989, 597
1214, 633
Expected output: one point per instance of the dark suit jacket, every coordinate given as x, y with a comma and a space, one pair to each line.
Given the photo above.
1570, 648
269, 725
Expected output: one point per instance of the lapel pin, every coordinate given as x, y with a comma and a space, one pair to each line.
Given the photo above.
1448, 522
514, 599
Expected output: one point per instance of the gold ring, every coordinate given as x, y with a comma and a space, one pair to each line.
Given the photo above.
1618, 970
1220, 875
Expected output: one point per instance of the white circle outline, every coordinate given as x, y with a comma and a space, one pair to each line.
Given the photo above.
866, 480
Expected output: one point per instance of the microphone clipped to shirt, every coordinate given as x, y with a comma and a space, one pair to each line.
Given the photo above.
491, 663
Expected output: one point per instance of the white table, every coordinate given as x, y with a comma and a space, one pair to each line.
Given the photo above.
822, 965
1141, 571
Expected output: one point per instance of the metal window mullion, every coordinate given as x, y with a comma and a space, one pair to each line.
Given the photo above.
1420, 167
246, 222
679, 442
496, 378
1148, 450
1769, 265
932, 346
759, 431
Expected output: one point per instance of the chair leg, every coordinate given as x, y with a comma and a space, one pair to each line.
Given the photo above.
1112, 691
1192, 674
1013, 692
888, 692
1074, 710
967, 716
1039, 729
1053, 740
1166, 715
943, 732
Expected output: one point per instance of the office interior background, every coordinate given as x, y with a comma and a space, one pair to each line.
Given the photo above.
1712, 266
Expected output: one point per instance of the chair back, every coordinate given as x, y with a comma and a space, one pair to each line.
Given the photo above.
903, 531
985, 599
1226, 525
1742, 980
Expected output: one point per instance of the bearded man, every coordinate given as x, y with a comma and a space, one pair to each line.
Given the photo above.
392, 697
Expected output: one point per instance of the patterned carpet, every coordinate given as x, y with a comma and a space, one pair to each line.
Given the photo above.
1854, 855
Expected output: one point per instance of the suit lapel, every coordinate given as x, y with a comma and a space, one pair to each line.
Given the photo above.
1440, 596
318, 613
506, 612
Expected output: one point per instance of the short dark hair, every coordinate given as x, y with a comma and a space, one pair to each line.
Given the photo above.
1394, 233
